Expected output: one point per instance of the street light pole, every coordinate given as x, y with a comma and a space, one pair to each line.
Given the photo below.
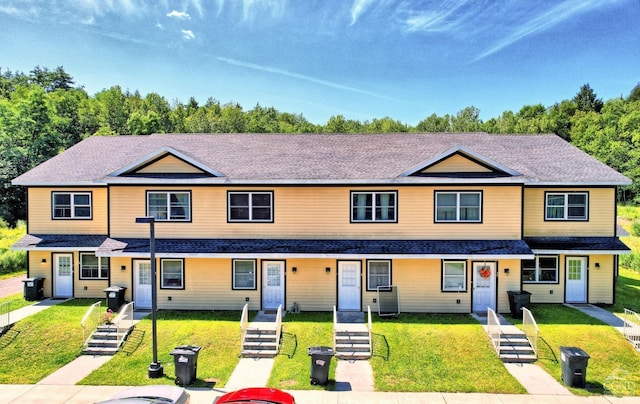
155, 368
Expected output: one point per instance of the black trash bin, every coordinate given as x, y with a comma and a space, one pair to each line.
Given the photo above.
115, 297
320, 361
517, 300
33, 289
574, 366
185, 359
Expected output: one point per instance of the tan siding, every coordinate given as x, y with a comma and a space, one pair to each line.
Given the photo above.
506, 282
40, 221
322, 213
41, 270
170, 164
601, 214
601, 279
121, 277
548, 292
311, 287
457, 164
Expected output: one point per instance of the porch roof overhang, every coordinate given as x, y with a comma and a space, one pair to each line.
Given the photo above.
317, 248
59, 242
577, 245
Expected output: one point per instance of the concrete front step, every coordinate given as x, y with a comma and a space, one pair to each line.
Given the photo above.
100, 351
352, 355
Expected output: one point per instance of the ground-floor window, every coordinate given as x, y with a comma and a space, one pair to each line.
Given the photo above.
244, 274
378, 274
454, 276
92, 267
172, 274
541, 269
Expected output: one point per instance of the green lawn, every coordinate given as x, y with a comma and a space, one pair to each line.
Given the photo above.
17, 301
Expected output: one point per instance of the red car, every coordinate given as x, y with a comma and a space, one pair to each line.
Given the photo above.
261, 395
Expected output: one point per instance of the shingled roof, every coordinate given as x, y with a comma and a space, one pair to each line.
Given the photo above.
321, 158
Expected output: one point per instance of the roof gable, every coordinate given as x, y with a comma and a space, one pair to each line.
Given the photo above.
166, 161
460, 161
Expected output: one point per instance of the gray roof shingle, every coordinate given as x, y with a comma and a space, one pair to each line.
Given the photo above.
322, 158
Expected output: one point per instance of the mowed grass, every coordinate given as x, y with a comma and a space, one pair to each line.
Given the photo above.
292, 367
614, 363
432, 352
217, 333
16, 301
41, 344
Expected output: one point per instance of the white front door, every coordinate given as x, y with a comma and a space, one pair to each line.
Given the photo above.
484, 286
63, 282
142, 284
576, 269
272, 284
349, 280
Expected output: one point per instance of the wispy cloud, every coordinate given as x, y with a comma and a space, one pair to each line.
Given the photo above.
188, 34
181, 15
294, 75
359, 7
543, 21
447, 17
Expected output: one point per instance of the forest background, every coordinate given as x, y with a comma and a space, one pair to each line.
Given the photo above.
44, 112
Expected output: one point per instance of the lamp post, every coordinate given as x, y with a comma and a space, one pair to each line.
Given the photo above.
155, 368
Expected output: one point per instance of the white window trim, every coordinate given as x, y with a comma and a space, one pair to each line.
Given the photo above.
464, 276
233, 275
373, 194
458, 207
162, 285
388, 262
537, 270
168, 194
565, 216
250, 207
72, 206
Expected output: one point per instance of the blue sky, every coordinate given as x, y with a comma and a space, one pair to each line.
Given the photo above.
363, 59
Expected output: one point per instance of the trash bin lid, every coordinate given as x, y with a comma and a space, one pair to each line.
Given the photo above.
320, 350
573, 351
114, 289
186, 350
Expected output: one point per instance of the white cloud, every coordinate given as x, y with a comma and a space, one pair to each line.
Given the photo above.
181, 15
359, 6
188, 34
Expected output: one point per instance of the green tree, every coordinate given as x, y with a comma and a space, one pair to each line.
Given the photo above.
586, 100
113, 111
466, 120
434, 124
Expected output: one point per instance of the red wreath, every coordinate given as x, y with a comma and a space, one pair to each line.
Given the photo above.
485, 272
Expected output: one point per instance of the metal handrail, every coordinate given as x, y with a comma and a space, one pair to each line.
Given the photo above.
123, 322
335, 326
84, 323
370, 329
244, 324
493, 328
530, 328
5, 310
278, 327
631, 327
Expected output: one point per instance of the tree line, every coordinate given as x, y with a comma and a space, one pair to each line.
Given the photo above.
43, 112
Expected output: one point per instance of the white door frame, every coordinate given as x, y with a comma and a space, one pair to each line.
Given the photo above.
575, 279
484, 287
63, 275
349, 285
273, 284
142, 291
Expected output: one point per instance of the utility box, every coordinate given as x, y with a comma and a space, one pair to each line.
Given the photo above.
33, 289
517, 300
185, 359
574, 366
320, 361
115, 297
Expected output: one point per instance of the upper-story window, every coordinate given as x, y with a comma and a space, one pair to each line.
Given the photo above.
459, 206
373, 206
566, 206
71, 205
169, 205
542, 269
92, 267
250, 206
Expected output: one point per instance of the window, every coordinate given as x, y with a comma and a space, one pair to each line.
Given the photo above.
373, 206
378, 274
244, 274
454, 276
566, 206
172, 274
458, 206
71, 205
542, 269
92, 267
169, 206
250, 206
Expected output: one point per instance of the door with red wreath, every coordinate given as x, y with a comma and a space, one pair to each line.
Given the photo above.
484, 286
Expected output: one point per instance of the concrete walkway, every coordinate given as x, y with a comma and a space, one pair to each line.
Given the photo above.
24, 312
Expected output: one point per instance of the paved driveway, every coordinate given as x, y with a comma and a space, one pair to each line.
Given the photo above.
11, 286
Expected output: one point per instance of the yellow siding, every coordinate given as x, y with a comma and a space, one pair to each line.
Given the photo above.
457, 164
170, 164
321, 213
601, 279
601, 214
311, 287
40, 221
41, 270
506, 282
